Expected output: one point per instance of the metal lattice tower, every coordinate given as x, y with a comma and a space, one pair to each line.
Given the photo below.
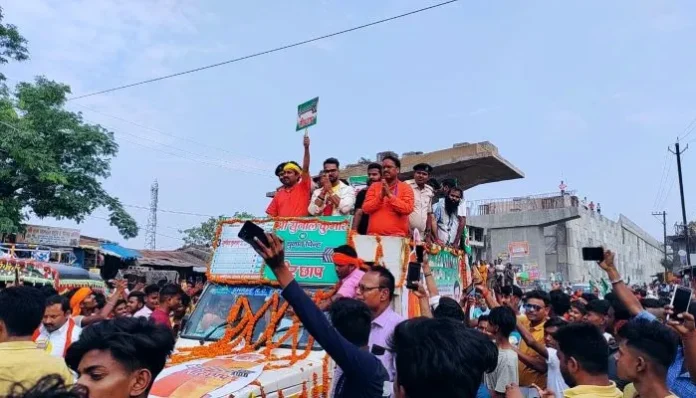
151, 231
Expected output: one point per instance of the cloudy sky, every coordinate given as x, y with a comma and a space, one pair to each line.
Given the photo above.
592, 92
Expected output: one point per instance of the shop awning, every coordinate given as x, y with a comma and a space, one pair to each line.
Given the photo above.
116, 250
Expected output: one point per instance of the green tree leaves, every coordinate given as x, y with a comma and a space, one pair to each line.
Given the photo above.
52, 162
204, 234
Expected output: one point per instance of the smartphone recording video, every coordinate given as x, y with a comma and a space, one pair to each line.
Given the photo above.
681, 299
413, 276
419, 254
250, 231
593, 254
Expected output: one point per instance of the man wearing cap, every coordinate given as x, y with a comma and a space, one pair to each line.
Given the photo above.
292, 199
423, 193
279, 174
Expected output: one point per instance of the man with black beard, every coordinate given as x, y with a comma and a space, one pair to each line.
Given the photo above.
446, 219
360, 219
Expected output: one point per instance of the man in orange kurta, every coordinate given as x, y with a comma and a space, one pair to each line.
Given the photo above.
389, 202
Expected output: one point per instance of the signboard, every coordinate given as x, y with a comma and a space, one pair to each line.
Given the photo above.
518, 249
210, 378
307, 114
357, 180
532, 271
51, 236
445, 269
309, 245
234, 257
309, 248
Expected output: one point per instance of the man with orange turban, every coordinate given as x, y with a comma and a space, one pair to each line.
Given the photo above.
78, 301
349, 269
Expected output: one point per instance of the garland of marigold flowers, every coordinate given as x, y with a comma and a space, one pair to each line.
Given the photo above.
325, 377
315, 385
379, 251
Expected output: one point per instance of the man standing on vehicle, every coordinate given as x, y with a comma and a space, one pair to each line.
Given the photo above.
423, 200
389, 202
333, 197
376, 290
447, 185
360, 219
446, 223
293, 198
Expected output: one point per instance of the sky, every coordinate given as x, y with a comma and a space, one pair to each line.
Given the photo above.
591, 92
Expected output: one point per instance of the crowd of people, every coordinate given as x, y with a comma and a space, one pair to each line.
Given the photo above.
533, 344
497, 341
110, 346
432, 210
494, 343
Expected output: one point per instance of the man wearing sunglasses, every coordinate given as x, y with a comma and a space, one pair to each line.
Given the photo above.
536, 311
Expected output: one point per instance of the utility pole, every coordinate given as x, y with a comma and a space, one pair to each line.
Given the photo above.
685, 225
151, 231
664, 237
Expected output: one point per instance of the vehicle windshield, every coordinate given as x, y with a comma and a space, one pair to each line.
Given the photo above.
208, 320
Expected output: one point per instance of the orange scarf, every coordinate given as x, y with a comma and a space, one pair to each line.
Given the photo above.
343, 260
68, 335
78, 298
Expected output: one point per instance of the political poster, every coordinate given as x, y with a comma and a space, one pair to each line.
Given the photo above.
210, 378
307, 114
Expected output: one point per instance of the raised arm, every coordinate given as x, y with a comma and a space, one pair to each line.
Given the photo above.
619, 286
306, 159
346, 355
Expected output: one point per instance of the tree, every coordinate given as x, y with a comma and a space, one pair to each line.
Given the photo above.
52, 163
204, 234
12, 44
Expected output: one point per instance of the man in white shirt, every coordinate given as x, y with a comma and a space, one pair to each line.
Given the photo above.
446, 222
447, 185
58, 330
151, 301
333, 197
423, 194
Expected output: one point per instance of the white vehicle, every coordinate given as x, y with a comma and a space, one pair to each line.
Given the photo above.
240, 341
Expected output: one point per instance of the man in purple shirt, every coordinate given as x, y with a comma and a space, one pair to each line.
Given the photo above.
376, 290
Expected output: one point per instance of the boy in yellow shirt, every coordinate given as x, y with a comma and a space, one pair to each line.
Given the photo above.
583, 353
646, 351
21, 361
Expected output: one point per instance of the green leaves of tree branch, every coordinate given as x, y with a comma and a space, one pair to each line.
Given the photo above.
52, 162
204, 234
